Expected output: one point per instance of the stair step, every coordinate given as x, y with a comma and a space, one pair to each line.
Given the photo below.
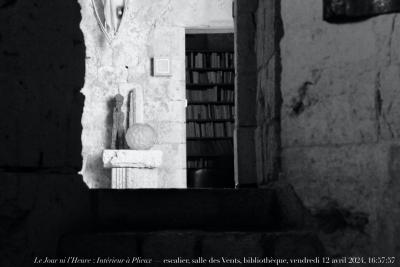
197, 246
215, 210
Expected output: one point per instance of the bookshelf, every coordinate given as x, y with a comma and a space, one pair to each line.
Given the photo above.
210, 114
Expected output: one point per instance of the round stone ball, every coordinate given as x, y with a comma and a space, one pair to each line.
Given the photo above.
140, 136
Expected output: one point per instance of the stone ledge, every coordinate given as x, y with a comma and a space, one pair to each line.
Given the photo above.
147, 159
193, 244
215, 209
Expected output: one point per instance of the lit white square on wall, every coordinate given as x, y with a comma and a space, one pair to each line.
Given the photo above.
162, 67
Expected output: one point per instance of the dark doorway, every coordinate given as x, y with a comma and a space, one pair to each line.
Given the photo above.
210, 117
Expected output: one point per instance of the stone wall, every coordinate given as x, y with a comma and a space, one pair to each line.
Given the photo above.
245, 93
267, 135
42, 70
42, 66
41, 73
198, 248
149, 29
340, 127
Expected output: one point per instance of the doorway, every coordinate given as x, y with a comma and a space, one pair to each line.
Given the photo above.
210, 113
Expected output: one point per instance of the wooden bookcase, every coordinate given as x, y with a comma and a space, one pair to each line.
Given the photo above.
210, 114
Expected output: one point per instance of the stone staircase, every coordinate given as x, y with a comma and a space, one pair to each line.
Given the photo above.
202, 227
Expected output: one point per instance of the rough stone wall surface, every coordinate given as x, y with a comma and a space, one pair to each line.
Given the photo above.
268, 99
246, 84
199, 247
35, 211
340, 127
41, 73
42, 66
148, 29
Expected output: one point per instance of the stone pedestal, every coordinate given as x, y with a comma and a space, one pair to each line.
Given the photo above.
133, 168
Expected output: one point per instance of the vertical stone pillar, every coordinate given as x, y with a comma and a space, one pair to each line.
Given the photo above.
246, 88
269, 101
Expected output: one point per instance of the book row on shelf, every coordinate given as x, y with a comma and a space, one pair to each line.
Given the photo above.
201, 163
212, 94
206, 148
210, 112
198, 77
209, 60
209, 129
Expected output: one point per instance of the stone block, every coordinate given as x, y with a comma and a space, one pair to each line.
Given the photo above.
252, 247
148, 159
246, 6
167, 89
245, 94
388, 213
133, 168
100, 246
169, 41
159, 246
196, 247
260, 16
245, 162
141, 178
299, 246
265, 37
336, 107
267, 153
269, 33
307, 43
395, 37
259, 148
268, 95
36, 210
172, 178
245, 32
339, 103
176, 89
33, 127
173, 171
389, 110
174, 155
169, 132
232, 245
93, 171
185, 209
352, 175
293, 215
162, 111
191, 14
134, 178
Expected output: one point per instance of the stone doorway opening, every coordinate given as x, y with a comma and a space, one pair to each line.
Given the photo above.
155, 34
210, 112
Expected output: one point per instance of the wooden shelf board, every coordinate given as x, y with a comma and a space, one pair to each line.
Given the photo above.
209, 84
217, 103
208, 138
210, 156
208, 51
210, 69
210, 120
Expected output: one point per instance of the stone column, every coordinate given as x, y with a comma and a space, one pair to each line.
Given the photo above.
246, 89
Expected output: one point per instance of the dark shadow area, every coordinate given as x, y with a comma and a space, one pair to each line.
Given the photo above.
42, 70
109, 121
210, 115
350, 11
166, 224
